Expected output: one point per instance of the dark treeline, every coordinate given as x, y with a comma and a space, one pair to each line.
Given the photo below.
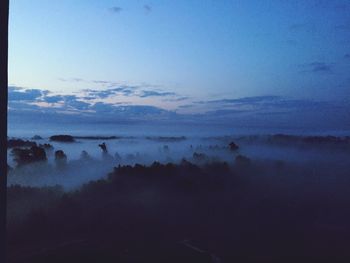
216, 212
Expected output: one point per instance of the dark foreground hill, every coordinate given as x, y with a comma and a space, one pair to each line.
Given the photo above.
185, 213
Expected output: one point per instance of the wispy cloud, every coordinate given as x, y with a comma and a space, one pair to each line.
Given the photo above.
317, 67
177, 99
71, 79
320, 67
153, 93
105, 93
105, 82
147, 8
116, 9
245, 100
186, 106
259, 104
128, 91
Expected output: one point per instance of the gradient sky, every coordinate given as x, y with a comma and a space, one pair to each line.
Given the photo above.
190, 51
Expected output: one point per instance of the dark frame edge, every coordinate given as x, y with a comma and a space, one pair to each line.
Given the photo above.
4, 21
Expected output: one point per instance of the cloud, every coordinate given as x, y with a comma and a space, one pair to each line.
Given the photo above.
10, 88
295, 104
99, 102
20, 94
224, 113
102, 82
99, 94
181, 98
102, 94
86, 98
244, 100
186, 106
275, 111
116, 9
66, 102
153, 93
71, 79
317, 67
139, 110
102, 107
85, 104
320, 67
76, 104
109, 88
31, 98
53, 99
260, 104
42, 106
105, 82
22, 106
127, 91
147, 8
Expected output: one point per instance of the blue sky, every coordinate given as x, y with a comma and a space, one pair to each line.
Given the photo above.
179, 55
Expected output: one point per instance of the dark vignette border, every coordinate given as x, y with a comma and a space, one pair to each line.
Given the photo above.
4, 16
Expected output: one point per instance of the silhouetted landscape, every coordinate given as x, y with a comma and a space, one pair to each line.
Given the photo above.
212, 203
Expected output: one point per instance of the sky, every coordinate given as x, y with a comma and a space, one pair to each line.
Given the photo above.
184, 57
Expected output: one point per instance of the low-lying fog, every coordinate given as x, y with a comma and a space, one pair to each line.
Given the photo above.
318, 157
